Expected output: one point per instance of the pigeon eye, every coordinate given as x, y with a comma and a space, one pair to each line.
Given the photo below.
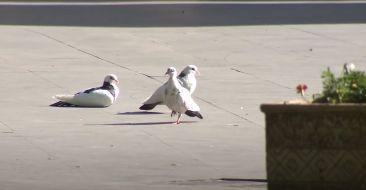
193, 69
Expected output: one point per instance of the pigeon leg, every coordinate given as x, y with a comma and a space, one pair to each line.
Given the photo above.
178, 120
173, 114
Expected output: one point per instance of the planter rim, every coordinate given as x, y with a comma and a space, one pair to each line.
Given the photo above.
316, 107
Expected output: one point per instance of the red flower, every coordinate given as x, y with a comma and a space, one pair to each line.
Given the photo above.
301, 88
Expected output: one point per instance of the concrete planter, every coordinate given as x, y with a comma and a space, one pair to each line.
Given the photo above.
316, 146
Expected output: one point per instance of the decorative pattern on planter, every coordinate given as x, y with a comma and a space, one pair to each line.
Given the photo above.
316, 150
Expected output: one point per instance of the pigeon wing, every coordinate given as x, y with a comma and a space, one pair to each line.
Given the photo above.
158, 96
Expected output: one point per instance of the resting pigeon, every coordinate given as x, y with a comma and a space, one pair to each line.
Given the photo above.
103, 96
186, 78
178, 99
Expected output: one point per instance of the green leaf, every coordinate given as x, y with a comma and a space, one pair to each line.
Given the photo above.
348, 88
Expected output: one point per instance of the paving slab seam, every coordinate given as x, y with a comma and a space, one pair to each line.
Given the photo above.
230, 112
265, 80
34, 73
30, 142
324, 36
184, 153
88, 53
7, 126
50, 155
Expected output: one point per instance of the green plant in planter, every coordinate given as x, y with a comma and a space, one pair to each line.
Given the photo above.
350, 87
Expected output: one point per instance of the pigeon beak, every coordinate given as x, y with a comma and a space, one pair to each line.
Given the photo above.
116, 81
198, 73
167, 72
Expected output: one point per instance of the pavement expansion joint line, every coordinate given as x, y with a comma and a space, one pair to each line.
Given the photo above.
181, 151
326, 37
91, 54
228, 111
7, 126
44, 79
49, 154
266, 80
255, 76
137, 72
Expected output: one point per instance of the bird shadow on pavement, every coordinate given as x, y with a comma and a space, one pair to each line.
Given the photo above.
139, 113
146, 123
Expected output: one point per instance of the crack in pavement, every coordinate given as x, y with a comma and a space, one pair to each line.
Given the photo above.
137, 72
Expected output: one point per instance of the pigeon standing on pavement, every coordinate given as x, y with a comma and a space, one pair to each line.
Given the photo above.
178, 98
102, 96
187, 78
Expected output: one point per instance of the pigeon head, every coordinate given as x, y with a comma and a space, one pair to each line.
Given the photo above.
171, 71
110, 79
190, 69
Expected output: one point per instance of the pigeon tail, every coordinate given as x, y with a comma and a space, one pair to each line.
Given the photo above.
193, 114
62, 104
148, 106
64, 98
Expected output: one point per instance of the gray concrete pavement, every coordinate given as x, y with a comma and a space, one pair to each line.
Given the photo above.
44, 147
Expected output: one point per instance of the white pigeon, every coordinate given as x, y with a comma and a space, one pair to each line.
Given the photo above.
103, 96
186, 78
178, 98
349, 67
